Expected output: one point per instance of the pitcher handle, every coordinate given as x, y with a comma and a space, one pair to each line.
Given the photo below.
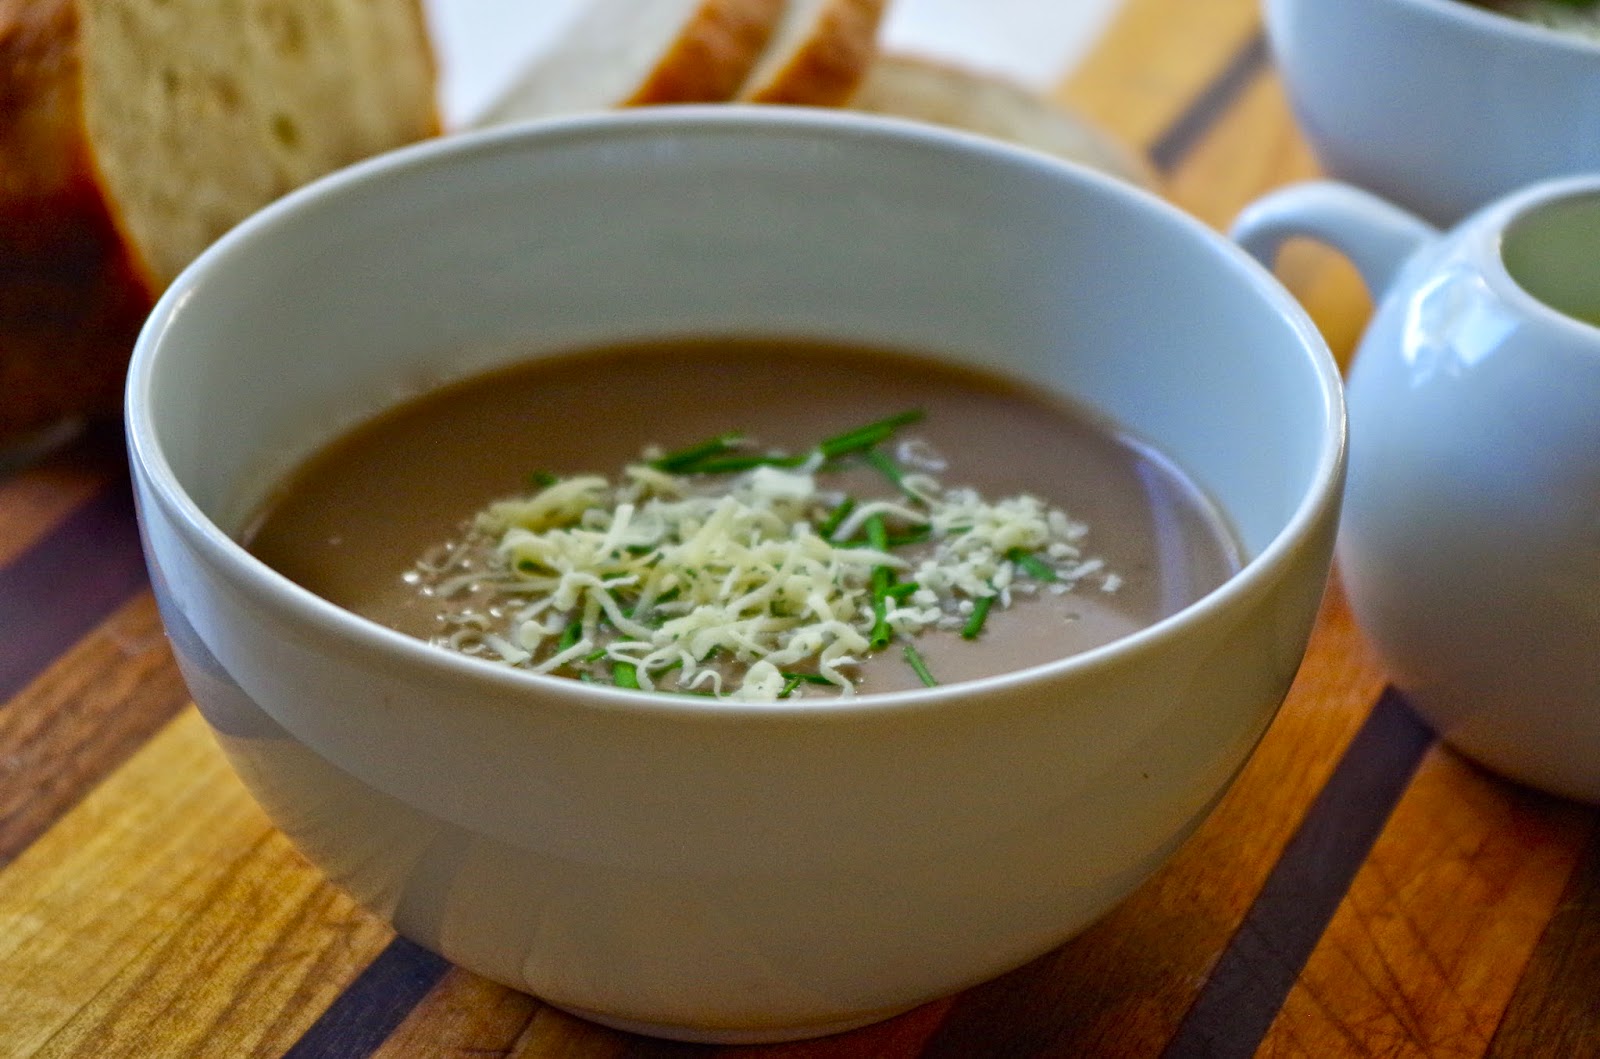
1377, 236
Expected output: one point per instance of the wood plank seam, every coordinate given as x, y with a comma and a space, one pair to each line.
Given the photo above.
1174, 145
370, 1008
67, 583
1252, 978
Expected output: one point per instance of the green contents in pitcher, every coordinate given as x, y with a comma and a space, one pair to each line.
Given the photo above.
1581, 17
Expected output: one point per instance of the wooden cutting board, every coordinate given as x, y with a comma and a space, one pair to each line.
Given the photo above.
1361, 891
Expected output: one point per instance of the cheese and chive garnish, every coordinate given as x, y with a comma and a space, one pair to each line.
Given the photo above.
732, 571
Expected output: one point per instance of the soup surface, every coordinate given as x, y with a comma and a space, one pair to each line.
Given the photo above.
381, 521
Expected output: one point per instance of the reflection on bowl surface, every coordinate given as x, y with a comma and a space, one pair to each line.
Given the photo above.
726, 870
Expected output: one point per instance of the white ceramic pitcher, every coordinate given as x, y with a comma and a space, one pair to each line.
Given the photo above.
1470, 542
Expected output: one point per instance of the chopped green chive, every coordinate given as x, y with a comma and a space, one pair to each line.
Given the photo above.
1032, 564
919, 667
793, 680
980, 614
682, 458
734, 464
901, 590
570, 636
542, 479
890, 470
864, 437
914, 535
595, 655
881, 633
804, 678
882, 579
877, 533
837, 516
625, 675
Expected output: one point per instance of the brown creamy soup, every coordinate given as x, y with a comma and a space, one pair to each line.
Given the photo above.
351, 522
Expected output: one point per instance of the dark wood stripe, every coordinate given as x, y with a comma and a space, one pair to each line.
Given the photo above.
1173, 146
1555, 1011
86, 676
66, 584
373, 1005
18, 456
1263, 960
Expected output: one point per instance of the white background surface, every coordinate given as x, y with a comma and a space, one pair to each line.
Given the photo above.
483, 43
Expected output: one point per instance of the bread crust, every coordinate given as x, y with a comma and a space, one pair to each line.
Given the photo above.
710, 58
74, 289
940, 93
828, 67
72, 298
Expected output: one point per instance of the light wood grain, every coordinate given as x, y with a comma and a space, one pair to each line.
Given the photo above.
166, 908
1554, 1013
81, 718
1154, 59
1427, 947
463, 1015
552, 1033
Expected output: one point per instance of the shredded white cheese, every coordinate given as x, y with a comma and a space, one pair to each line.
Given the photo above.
725, 584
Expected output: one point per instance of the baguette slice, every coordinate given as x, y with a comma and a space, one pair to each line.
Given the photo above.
134, 132
621, 53
941, 94
818, 55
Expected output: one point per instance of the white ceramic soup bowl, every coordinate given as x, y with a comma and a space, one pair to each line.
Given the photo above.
690, 868
1437, 105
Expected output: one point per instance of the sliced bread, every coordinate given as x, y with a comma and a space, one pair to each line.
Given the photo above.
942, 94
620, 53
134, 132
818, 55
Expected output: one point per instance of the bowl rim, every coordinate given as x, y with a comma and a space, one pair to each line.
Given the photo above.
1318, 502
1486, 22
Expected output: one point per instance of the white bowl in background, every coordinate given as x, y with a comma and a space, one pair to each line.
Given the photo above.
1437, 105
